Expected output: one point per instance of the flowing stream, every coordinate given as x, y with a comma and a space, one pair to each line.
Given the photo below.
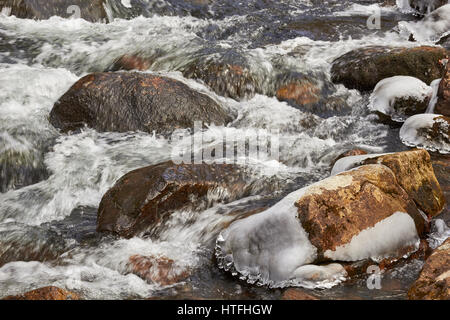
52, 183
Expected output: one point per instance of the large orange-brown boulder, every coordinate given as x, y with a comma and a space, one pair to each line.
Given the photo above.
443, 103
363, 68
159, 270
339, 208
414, 173
143, 199
46, 293
355, 215
132, 101
434, 279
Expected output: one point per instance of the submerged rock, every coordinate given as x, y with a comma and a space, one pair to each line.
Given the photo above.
46, 293
302, 93
443, 102
131, 101
399, 97
93, 10
143, 199
20, 168
359, 214
160, 270
434, 279
29, 243
428, 131
297, 294
131, 62
363, 68
413, 171
226, 79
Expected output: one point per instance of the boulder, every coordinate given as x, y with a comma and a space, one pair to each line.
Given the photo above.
428, 131
434, 279
443, 102
93, 10
327, 221
333, 216
45, 293
132, 101
413, 171
143, 199
159, 270
399, 97
228, 79
363, 68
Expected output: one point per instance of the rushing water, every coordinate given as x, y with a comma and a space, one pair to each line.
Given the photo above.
52, 183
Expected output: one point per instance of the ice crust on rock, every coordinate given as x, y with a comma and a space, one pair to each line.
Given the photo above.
350, 162
415, 132
383, 240
390, 90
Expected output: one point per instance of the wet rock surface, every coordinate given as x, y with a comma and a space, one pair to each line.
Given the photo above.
434, 279
159, 270
363, 68
46, 293
126, 101
43, 9
144, 198
443, 103
225, 78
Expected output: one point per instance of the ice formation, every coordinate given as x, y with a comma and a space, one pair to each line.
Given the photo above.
435, 86
383, 240
347, 163
418, 131
432, 28
388, 91
423, 6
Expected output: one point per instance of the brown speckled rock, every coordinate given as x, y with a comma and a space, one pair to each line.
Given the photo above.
363, 68
46, 293
415, 174
434, 279
131, 101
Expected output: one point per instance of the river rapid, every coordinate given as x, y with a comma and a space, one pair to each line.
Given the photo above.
52, 183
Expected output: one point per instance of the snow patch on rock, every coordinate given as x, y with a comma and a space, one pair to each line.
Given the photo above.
388, 91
